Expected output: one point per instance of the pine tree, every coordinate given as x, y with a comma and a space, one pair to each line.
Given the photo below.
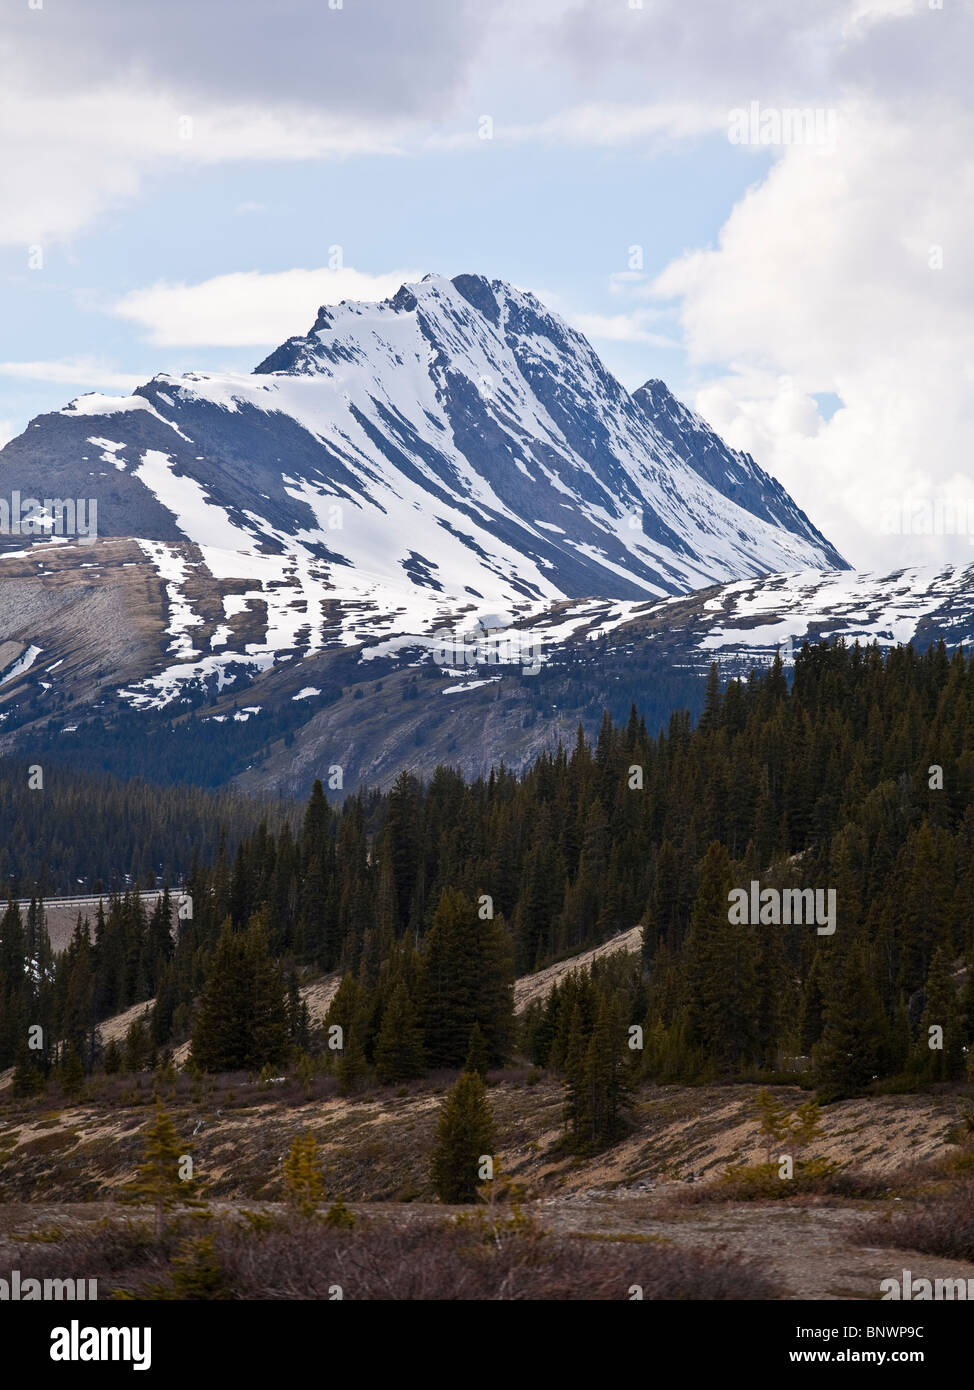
469, 979
112, 1059
28, 1077
349, 1011
298, 1019
197, 1273
160, 1181
811, 1006
722, 992
304, 1186
352, 1064
138, 1046
241, 1022
477, 1052
600, 1081
72, 1073
399, 1052
464, 1137
942, 1011
849, 1053
221, 1033
664, 916
402, 844
773, 1115
77, 1012
268, 1018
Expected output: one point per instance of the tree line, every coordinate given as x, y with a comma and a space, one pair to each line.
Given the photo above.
430, 898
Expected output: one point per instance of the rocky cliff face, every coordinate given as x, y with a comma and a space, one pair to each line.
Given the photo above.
274, 546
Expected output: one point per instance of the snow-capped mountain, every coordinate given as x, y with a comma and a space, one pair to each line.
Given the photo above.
457, 443
279, 552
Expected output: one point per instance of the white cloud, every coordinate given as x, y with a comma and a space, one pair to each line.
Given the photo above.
98, 95
822, 282
249, 308
376, 57
75, 371
795, 55
622, 328
67, 159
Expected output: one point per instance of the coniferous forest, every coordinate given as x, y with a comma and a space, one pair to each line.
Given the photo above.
54, 845
430, 899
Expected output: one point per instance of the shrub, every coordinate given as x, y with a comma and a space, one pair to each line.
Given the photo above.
816, 1177
339, 1217
942, 1225
380, 1260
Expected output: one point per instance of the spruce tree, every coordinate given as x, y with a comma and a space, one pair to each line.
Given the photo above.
268, 1019
942, 1011
850, 1052
160, 1181
221, 1029
722, 991
469, 979
304, 1186
352, 1064
71, 1075
609, 1074
464, 1136
574, 1049
477, 1052
241, 1023
28, 1077
399, 1052
600, 1082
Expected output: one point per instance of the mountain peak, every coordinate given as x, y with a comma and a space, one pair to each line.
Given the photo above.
458, 440
478, 291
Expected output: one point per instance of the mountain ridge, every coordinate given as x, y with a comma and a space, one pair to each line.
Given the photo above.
462, 409
282, 551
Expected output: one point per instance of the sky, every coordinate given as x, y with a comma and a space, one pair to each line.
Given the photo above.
767, 205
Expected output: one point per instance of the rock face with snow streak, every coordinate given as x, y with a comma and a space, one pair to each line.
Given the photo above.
748, 622
282, 551
457, 441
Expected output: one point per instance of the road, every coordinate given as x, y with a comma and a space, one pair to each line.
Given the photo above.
61, 914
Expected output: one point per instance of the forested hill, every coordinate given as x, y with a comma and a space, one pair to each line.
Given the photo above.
857, 780
64, 831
